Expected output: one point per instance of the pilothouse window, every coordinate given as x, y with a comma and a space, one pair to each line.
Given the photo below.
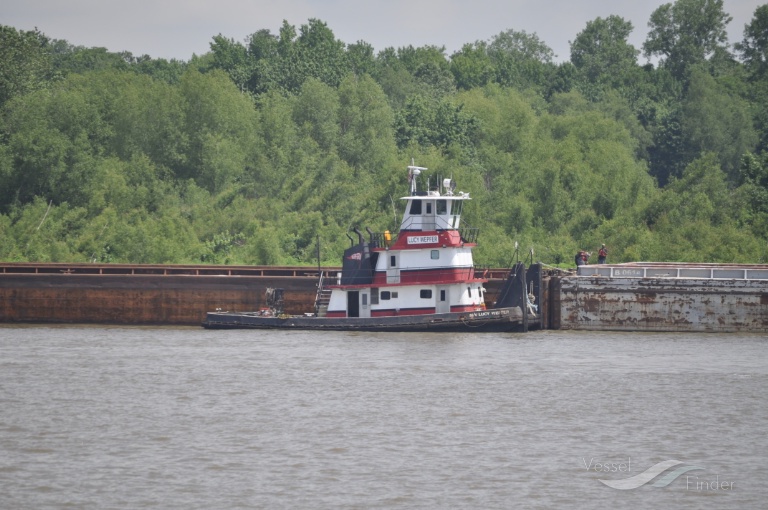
455, 213
415, 207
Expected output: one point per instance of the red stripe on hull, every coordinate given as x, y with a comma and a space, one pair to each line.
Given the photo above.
391, 312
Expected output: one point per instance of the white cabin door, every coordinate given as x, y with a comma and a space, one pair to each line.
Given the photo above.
365, 305
443, 300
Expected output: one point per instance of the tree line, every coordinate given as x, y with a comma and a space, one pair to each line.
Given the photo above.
248, 153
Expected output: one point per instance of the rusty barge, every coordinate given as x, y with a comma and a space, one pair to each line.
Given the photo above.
652, 296
139, 293
680, 297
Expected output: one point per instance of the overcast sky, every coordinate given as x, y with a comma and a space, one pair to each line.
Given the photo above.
180, 28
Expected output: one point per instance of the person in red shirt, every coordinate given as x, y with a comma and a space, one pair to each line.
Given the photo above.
602, 255
582, 257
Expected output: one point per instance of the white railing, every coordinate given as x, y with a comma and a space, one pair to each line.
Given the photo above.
675, 271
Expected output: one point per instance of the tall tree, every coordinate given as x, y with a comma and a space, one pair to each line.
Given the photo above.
602, 53
361, 58
232, 57
25, 63
754, 46
521, 60
472, 67
314, 53
686, 32
520, 46
264, 55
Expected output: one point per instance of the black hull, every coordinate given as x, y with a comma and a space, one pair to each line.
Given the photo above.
500, 319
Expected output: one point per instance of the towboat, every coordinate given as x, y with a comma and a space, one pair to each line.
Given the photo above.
421, 277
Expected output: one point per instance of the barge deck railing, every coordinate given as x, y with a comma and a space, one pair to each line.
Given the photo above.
673, 270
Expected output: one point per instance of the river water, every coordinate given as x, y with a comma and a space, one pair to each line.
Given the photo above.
98, 418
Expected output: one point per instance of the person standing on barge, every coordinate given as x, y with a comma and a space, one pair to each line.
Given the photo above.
602, 255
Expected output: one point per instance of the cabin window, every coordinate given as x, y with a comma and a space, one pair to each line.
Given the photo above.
429, 207
365, 299
435, 254
415, 206
393, 261
455, 213
425, 294
385, 295
394, 295
442, 295
442, 207
374, 296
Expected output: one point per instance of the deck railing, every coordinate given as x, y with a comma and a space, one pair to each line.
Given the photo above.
18, 268
706, 272
329, 273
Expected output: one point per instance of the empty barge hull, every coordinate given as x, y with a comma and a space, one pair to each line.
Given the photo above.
172, 295
663, 297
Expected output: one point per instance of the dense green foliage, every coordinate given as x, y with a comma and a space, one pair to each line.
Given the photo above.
251, 153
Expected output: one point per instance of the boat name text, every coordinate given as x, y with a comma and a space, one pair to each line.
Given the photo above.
423, 240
